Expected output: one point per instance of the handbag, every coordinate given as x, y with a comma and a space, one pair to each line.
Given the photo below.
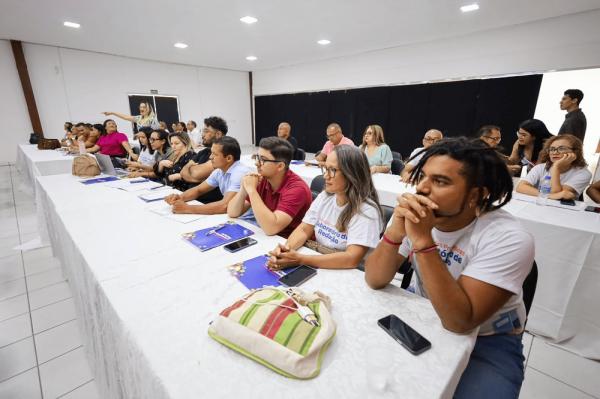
34, 138
285, 329
85, 166
48, 144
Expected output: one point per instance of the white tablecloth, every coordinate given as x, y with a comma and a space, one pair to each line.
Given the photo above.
32, 162
145, 298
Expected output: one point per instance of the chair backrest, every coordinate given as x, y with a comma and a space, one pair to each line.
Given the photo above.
316, 185
397, 166
529, 286
396, 155
299, 154
388, 211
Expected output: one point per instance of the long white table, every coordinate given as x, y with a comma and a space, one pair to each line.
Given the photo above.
145, 298
32, 162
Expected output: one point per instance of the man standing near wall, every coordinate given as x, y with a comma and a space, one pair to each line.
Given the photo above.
575, 122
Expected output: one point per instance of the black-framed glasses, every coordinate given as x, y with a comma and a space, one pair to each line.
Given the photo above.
328, 171
560, 150
430, 140
153, 139
262, 160
495, 139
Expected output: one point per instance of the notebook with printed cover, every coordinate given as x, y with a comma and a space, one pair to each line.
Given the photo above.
99, 180
255, 274
216, 236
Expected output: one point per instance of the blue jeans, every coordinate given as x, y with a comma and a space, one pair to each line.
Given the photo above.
495, 368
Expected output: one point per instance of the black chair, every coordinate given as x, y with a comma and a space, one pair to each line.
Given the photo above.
299, 154
316, 185
397, 166
388, 211
396, 155
529, 286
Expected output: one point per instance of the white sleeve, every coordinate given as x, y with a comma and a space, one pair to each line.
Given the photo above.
502, 258
312, 215
405, 247
415, 161
535, 175
578, 180
365, 227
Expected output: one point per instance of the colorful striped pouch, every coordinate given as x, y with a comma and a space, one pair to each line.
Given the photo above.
267, 326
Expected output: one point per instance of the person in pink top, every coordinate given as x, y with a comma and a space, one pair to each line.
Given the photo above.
113, 143
335, 138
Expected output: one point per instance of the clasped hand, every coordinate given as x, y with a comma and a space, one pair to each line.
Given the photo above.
413, 217
283, 257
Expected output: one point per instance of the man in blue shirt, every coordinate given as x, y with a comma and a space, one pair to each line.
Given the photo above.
227, 176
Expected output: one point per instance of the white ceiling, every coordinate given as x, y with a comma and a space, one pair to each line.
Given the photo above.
285, 34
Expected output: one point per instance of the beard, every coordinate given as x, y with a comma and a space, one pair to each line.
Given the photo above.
446, 214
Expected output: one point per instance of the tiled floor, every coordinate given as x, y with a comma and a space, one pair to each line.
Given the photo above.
41, 352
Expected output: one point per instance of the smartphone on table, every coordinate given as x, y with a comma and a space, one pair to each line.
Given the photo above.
297, 276
240, 244
404, 334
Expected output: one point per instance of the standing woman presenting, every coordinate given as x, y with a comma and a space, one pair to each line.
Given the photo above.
146, 118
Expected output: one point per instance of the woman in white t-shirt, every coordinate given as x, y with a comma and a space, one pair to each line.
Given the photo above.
146, 158
345, 218
564, 163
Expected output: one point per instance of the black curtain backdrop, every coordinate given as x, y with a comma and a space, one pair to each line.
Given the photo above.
404, 112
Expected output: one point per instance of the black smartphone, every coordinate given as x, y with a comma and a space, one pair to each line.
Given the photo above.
567, 202
297, 276
591, 208
404, 334
240, 244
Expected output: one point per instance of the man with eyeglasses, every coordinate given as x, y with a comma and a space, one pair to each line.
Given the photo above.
335, 137
200, 167
431, 137
279, 198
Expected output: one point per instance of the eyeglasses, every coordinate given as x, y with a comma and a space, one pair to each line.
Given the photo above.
430, 140
328, 171
261, 160
560, 150
495, 139
153, 139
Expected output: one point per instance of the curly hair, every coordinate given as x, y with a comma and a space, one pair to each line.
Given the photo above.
575, 144
216, 123
481, 167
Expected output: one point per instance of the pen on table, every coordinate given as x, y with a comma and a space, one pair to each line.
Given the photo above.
154, 188
213, 231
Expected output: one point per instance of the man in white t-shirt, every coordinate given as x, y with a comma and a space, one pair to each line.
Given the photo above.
194, 133
470, 258
431, 137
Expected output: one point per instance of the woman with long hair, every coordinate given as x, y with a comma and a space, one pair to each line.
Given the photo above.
346, 218
146, 118
378, 152
170, 169
531, 136
562, 160
159, 143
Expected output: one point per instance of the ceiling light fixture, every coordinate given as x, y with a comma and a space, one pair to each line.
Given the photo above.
470, 7
251, 58
324, 42
71, 25
180, 45
248, 19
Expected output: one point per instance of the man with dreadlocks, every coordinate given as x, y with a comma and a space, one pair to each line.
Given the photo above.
470, 258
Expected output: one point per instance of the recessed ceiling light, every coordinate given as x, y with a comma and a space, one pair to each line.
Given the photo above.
470, 7
251, 58
72, 25
180, 45
248, 19
324, 42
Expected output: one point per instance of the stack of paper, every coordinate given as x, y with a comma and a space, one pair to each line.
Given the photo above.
167, 212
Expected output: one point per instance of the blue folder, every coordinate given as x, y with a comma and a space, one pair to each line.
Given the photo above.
216, 236
255, 274
99, 180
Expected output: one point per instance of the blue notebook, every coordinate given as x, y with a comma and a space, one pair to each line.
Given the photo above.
254, 273
99, 180
216, 236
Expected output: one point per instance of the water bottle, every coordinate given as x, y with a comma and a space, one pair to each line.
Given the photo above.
545, 190
81, 146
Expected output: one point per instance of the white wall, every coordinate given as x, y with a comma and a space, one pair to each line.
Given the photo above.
567, 42
13, 109
553, 86
73, 85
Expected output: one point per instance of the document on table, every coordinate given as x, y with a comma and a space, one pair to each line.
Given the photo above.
157, 194
131, 185
167, 212
579, 206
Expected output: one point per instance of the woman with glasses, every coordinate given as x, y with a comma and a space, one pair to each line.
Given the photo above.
169, 169
564, 163
531, 136
161, 149
345, 219
378, 152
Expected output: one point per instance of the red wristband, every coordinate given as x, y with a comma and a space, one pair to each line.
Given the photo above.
391, 242
425, 250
